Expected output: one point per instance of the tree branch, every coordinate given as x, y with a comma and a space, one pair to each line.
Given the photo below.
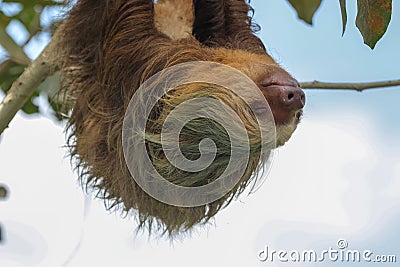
349, 86
22, 89
15, 52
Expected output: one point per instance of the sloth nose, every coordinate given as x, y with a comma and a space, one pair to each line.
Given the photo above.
284, 96
291, 97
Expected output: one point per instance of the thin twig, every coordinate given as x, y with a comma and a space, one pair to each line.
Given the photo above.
15, 52
349, 86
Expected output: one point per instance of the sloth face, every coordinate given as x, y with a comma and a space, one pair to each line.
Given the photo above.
286, 100
283, 93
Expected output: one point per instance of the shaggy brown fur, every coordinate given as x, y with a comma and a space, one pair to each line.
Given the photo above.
113, 47
226, 23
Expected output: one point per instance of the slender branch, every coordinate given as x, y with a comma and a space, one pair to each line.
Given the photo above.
22, 88
15, 52
349, 86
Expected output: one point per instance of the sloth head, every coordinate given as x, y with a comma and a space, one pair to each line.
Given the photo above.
285, 97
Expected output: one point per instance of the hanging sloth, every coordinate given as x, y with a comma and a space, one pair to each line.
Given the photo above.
115, 47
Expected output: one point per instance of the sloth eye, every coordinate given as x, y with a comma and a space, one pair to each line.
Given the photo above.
267, 84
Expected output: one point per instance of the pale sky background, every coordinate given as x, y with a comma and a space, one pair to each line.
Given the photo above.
337, 178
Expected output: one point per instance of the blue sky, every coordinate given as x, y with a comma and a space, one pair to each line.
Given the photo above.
338, 177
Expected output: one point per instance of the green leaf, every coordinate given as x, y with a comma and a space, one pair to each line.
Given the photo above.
373, 18
35, 26
9, 72
344, 15
30, 108
4, 69
305, 9
30, 18
4, 20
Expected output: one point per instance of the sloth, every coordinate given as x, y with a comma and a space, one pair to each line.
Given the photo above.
112, 47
